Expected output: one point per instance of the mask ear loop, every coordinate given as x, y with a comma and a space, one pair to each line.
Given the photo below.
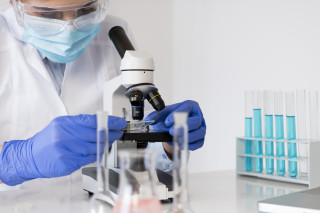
18, 11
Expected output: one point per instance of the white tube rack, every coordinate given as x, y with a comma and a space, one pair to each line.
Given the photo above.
311, 160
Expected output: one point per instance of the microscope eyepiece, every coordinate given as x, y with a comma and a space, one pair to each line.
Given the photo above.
137, 104
155, 100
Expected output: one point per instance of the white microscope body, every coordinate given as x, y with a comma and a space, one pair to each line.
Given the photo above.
127, 93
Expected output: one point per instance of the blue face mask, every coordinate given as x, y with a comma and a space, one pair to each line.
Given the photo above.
58, 40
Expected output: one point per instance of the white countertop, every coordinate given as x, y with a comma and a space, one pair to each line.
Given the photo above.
221, 191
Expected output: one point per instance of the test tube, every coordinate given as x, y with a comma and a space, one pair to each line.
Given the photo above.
103, 148
248, 129
291, 133
180, 171
279, 127
314, 123
314, 115
302, 127
257, 130
99, 202
268, 112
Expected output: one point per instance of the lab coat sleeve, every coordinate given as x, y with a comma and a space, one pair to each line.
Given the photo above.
163, 162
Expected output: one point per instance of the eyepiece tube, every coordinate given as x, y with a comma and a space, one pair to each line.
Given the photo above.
120, 40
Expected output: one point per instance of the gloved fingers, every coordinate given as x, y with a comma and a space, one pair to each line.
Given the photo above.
193, 135
80, 147
87, 148
88, 159
80, 132
114, 135
190, 107
196, 145
79, 161
157, 116
192, 146
116, 123
89, 121
197, 134
194, 122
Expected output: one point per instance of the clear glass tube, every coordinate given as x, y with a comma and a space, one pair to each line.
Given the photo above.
248, 128
137, 183
291, 133
99, 202
302, 127
279, 127
268, 115
180, 170
257, 130
314, 115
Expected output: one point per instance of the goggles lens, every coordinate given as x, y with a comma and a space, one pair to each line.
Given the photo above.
69, 17
65, 13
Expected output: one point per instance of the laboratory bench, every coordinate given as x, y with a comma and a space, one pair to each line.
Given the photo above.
219, 191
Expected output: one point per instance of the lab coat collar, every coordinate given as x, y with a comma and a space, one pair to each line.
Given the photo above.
33, 56
15, 28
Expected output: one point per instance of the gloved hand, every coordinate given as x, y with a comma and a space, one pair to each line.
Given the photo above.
64, 146
197, 126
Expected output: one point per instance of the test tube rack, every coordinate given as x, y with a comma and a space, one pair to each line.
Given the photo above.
311, 160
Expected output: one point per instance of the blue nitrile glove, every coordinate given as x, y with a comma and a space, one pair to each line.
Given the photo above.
197, 126
64, 146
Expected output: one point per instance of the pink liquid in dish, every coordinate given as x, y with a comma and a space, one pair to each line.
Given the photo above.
138, 206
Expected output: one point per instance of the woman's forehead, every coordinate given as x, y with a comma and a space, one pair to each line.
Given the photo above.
48, 3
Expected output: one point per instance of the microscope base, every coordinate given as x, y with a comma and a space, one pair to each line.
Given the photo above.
164, 188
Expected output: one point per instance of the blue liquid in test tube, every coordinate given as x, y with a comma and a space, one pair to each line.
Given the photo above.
248, 149
257, 143
281, 165
269, 144
248, 128
268, 105
292, 147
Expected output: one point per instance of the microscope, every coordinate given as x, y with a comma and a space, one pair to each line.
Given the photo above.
125, 95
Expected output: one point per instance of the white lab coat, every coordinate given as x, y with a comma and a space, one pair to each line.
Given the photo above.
28, 97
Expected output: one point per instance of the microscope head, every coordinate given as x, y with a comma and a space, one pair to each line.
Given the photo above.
137, 69
137, 76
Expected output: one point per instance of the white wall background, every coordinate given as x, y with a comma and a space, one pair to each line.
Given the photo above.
220, 48
212, 50
151, 23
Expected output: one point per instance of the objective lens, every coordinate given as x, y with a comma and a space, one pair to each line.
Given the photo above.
155, 100
137, 105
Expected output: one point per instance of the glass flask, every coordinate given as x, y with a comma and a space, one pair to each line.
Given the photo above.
180, 168
137, 183
100, 201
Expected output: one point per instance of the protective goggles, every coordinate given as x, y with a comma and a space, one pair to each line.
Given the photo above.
67, 17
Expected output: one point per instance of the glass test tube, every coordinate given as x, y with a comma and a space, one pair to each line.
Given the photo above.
291, 133
279, 127
180, 170
314, 115
268, 111
302, 127
248, 129
102, 147
99, 202
314, 123
257, 130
